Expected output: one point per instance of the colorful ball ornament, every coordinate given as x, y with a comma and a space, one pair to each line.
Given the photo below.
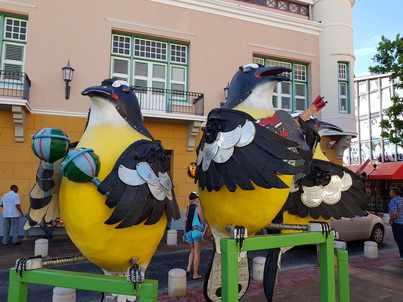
81, 165
50, 144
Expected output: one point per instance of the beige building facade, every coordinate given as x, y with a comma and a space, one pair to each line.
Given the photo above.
179, 54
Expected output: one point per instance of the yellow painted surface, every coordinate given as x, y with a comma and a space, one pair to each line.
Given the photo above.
7, 136
43, 121
25, 170
11, 153
6, 172
253, 209
163, 130
75, 124
84, 211
330, 153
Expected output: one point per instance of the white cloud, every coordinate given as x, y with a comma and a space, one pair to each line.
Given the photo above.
365, 51
374, 40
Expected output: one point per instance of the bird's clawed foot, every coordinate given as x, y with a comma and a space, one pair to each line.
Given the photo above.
320, 226
239, 233
24, 264
135, 274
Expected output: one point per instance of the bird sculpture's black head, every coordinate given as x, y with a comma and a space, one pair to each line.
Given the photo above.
250, 76
322, 127
120, 94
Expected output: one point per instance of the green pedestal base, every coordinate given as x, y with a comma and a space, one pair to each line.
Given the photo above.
229, 261
18, 288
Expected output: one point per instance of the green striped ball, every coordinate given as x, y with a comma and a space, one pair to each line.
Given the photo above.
50, 144
81, 165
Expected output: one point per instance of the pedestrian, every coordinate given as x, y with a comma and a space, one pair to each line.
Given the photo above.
195, 227
11, 214
48, 230
396, 218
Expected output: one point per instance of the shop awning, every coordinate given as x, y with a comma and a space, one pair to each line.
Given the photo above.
382, 171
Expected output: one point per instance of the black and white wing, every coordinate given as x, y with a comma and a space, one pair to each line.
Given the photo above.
236, 151
328, 191
44, 195
140, 188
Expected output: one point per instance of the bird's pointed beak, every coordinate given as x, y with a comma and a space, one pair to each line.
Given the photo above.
100, 90
273, 73
327, 126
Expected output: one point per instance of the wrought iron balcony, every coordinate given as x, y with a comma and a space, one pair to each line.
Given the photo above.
170, 101
14, 84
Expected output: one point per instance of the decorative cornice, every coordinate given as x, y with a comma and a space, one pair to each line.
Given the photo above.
347, 54
172, 116
18, 3
59, 113
339, 24
247, 13
282, 50
151, 27
15, 102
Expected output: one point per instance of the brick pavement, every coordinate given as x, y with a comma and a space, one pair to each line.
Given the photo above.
370, 280
302, 284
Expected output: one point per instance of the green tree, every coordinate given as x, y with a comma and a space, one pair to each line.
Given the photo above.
389, 59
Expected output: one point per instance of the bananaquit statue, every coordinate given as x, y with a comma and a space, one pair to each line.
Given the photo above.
249, 160
120, 224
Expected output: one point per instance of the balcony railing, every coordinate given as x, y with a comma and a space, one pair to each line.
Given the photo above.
14, 84
170, 101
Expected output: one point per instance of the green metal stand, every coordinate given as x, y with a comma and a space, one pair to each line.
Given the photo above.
18, 288
229, 262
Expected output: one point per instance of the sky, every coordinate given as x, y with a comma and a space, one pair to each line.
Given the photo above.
371, 20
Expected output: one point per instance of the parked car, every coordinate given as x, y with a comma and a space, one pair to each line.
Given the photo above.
369, 227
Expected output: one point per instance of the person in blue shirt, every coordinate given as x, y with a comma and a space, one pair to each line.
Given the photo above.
11, 214
396, 218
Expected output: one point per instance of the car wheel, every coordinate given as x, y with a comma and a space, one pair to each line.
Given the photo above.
377, 234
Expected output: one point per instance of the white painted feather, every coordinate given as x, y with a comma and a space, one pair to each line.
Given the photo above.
129, 176
147, 173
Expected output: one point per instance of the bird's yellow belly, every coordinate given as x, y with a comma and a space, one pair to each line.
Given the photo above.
253, 209
84, 211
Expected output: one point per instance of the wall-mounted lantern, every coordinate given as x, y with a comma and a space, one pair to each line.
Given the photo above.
68, 72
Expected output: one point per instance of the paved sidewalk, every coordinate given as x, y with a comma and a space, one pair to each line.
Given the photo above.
370, 280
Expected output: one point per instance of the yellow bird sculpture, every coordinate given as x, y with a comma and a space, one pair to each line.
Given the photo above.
120, 224
249, 160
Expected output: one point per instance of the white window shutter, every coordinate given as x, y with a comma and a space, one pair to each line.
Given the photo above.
120, 68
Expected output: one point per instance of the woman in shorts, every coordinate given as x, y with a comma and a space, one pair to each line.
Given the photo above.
194, 226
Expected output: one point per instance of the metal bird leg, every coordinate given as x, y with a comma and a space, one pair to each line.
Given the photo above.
313, 226
135, 274
36, 262
239, 233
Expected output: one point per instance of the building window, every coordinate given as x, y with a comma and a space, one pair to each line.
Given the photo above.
291, 96
13, 42
121, 45
149, 63
283, 5
372, 96
344, 89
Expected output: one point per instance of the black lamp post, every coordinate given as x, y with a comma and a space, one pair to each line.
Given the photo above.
68, 72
